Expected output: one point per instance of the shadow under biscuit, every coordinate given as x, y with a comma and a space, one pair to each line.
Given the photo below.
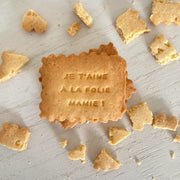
9, 116
94, 144
70, 134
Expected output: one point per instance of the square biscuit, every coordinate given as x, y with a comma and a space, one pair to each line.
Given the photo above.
163, 50
166, 12
130, 26
109, 50
87, 87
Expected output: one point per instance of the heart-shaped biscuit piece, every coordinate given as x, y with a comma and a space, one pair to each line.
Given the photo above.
32, 21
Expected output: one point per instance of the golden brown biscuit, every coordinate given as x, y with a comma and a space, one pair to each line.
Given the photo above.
63, 143
177, 138
140, 115
74, 28
83, 14
11, 65
85, 85
163, 50
162, 122
32, 21
105, 161
78, 153
117, 134
110, 50
14, 137
129, 26
165, 12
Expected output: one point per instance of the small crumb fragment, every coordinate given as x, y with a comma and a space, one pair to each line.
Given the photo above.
140, 115
63, 143
133, 3
172, 155
73, 29
59, 25
153, 178
105, 9
78, 153
138, 162
105, 161
163, 50
83, 14
177, 138
162, 122
117, 134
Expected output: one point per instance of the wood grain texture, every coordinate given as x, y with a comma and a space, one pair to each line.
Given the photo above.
158, 85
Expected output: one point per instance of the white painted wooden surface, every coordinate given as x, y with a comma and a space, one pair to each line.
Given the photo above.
158, 85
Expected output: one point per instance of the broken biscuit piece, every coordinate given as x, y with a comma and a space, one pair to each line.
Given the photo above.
73, 29
117, 134
63, 143
32, 21
162, 122
78, 153
83, 14
162, 50
105, 161
129, 26
140, 115
177, 138
166, 12
14, 137
11, 65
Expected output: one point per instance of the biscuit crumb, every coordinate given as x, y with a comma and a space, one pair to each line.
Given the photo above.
162, 122
73, 29
78, 153
11, 65
59, 25
177, 138
32, 21
133, 3
117, 134
129, 26
166, 12
83, 14
63, 143
172, 155
140, 115
153, 178
163, 50
105, 9
138, 162
14, 137
105, 160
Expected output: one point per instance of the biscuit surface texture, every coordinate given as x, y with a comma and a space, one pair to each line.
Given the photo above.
14, 137
163, 50
105, 161
117, 134
87, 93
129, 26
78, 153
32, 21
162, 122
177, 138
166, 12
140, 115
83, 14
73, 29
11, 65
